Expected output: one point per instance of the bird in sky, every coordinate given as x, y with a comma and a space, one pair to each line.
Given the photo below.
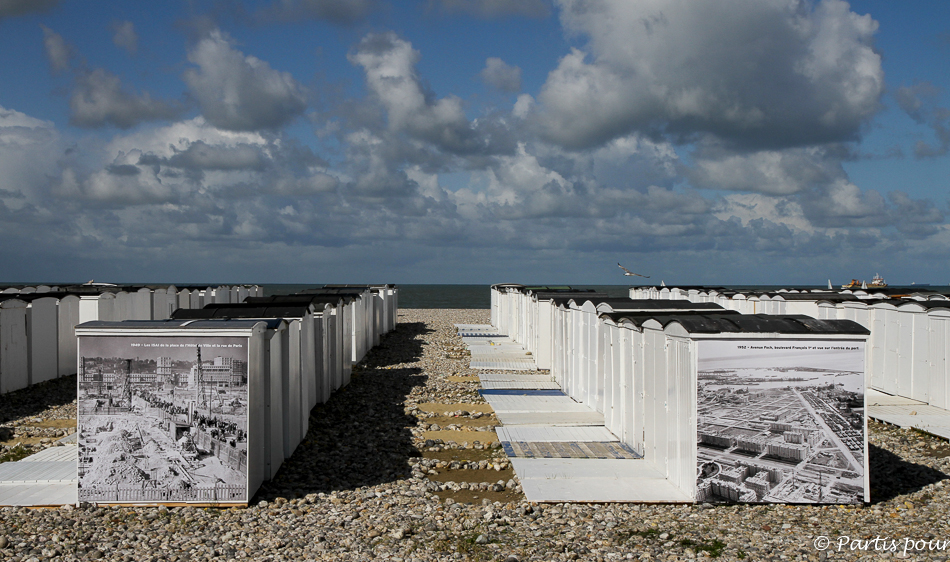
627, 272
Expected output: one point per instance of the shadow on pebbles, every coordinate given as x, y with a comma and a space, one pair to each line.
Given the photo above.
370, 482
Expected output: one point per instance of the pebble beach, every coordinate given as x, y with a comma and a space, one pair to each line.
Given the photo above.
403, 465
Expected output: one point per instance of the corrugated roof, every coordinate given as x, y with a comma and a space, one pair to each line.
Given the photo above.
732, 322
181, 324
242, 311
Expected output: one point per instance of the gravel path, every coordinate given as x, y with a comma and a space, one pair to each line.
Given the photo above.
376, 479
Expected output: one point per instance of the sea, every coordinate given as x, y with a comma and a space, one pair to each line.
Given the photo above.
445, 296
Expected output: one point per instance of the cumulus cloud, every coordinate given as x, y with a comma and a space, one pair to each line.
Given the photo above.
772, 172
58, 52
99, 99
755, 73
200, 156
13, 8
495, 8
389, 63
125, 37
500, 75
29, 148
238, 92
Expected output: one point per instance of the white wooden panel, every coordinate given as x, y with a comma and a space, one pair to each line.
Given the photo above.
497, 377
920, 377
521, 403
106, 304
547, 418
526, 385
43, 320
504, 364
594, 480
159, 304
555, 434
258, 412
292, 390
876, 345
88, 308
38, 495
184, 299
877, 398
891, 347
938, 362
905, 352
68, 312
275, 430
141, 302
67, 453
14, 347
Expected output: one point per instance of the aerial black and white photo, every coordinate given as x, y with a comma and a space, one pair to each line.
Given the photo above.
163, 419
781, 421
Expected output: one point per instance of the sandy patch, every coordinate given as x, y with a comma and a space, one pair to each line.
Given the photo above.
443, 408
472, 475
462, 436
468, 496
460, 455
60, 424
470, 422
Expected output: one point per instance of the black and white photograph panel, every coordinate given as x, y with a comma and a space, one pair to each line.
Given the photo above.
781, 421
163, 419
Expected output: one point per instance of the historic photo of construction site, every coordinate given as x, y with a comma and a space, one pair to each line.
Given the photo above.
781, 421
163, 419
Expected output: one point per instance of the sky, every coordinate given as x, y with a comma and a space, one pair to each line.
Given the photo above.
777, 142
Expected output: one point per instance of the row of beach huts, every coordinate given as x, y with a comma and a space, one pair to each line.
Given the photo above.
737, 395
37, 322
192, 395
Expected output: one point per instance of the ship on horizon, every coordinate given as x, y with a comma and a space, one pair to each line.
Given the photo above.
877, 282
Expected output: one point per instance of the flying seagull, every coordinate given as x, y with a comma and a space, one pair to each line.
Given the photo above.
627, 272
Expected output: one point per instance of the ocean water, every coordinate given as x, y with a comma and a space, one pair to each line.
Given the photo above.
445, 296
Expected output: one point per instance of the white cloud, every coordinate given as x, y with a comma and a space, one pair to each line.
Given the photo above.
29, 148
390, 67
501, 75
523, 106
772, 172
238, 92
766, 73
